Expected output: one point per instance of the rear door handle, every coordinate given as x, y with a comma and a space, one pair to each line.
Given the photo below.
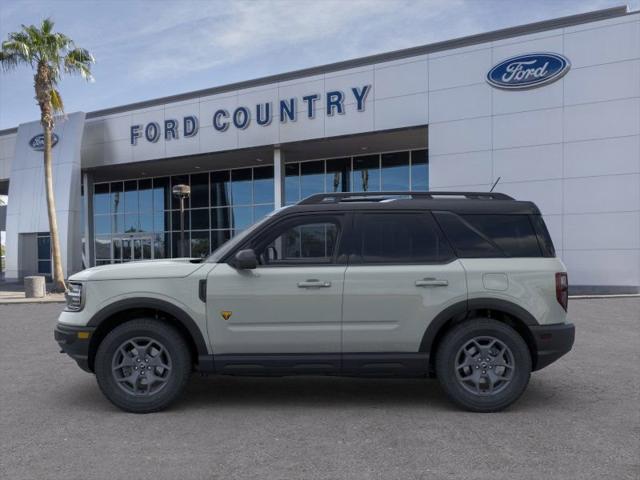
431, 282
313, 283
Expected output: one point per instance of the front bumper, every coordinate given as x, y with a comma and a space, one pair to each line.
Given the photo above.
552, 342
74, 341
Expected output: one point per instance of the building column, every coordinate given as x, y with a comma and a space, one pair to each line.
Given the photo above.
278, 177
89, 245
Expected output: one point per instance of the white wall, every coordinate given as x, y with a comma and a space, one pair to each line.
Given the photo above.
27, 206
573, 146
7, 152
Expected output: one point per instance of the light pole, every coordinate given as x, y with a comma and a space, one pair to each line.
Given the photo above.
182, 192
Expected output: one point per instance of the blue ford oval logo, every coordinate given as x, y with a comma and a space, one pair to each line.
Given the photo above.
37, 142
528, 71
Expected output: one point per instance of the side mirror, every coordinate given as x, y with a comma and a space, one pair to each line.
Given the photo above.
245, 260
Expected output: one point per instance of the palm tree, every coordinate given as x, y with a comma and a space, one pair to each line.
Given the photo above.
50, 55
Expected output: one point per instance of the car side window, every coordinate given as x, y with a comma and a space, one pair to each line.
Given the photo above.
305, 242
400, 237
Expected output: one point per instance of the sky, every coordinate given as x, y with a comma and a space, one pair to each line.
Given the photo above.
150, 49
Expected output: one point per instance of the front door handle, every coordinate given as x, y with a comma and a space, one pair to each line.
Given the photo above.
431, 282
313, 283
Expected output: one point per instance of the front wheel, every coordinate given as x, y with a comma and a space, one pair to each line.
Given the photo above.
483, 365
143, 365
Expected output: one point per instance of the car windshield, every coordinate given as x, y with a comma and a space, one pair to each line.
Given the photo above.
227, 246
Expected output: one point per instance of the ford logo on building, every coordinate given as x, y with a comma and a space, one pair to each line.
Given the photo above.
528, 71
37, 142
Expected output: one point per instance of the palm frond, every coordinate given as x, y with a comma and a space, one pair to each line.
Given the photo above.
56, 101
79, 61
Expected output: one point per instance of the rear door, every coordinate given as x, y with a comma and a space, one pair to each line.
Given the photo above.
401, 274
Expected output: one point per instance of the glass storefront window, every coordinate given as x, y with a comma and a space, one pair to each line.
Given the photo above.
292, 183
200, 190
220, 189
263, 185
200, 219
311, 178
395, 171
242, 217
420, 170
224, 203
117, 194
145, 195
366, 173
199, 244
241, 193
101, 199
161, 194
338, 173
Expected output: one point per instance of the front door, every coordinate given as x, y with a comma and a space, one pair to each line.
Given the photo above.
291, 303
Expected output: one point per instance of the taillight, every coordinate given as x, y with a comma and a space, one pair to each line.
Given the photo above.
562, 289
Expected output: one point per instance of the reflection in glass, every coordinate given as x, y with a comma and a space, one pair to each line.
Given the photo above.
199, 244
200, 190
145, 195
338, 173
366, 173
241, 186
102, 224
292, 183
117, 249
101, 198
261, 211
161, 194
103, 247
242, 217
131, 223
420, 170
160, 222
311, 178
395, 171
146, 222
160, 242
179, 180
218, 237
221, 218
131, 203
117, 198
175, 220
220, 189
200, 219
263, 185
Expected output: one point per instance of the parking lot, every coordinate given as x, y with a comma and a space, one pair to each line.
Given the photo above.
579, 418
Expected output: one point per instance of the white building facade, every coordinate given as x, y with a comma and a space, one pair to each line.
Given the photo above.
551, 109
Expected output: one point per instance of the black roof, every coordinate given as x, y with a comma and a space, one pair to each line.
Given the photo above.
457, 202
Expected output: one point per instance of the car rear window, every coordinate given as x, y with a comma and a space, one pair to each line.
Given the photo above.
490, 235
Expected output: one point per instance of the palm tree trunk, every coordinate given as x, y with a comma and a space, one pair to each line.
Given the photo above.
58, 275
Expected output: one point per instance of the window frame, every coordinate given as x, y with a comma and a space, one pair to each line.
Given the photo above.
355, 257
266, 235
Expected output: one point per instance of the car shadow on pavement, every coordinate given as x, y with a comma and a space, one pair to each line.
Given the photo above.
305, 391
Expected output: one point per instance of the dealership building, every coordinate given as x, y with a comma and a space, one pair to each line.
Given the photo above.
550, 110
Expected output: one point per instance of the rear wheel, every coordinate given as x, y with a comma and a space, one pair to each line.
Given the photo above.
143, 365
483, 365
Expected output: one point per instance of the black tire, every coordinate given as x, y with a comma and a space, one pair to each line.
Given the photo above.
453, 364
170, 369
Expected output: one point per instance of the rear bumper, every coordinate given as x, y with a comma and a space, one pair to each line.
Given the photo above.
552, 342
73, 344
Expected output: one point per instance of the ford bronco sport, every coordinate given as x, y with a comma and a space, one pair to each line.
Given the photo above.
463, 286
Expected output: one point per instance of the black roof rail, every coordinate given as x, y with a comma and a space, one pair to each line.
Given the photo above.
320, 198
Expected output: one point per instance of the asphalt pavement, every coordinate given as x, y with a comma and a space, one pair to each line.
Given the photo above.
578, 419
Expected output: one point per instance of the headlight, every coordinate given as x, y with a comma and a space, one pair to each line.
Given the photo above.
74, 297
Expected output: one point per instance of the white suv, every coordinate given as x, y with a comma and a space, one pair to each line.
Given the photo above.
462, 286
